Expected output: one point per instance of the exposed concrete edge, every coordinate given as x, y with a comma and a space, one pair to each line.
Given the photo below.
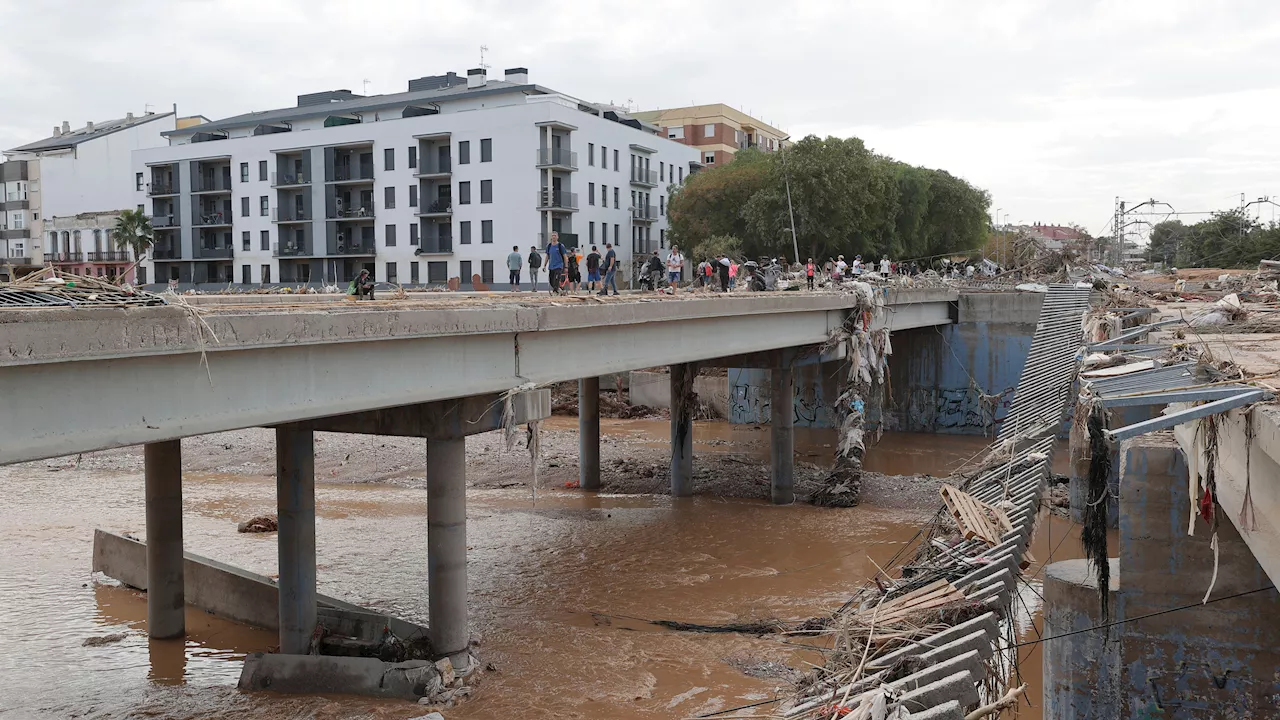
212, 586
315, 674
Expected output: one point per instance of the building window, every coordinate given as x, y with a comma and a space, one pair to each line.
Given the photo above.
266, 274
616, 205
591, 154
591, 193
709, 130
244, 207
486, 270
244, 172
137, 179
244, 274
389, 197
486, 150
389, 159
413, 266
264, 205
617, 233
675, 133
486, 232
591, 233
604, 157
413, 163
437, 271
486, 191
662, 205
244, 241
142, 275
464, 152
262, 170
615, 161
391, 272
709, 158
681, 175
464, 271
390, 236
413, 196
604, 195
662, 239
662, 171
264, 240
413, 239
464, 192
464, 232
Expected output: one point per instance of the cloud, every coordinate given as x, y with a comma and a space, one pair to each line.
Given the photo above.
1055, 106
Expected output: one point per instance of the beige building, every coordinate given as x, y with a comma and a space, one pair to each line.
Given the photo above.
717, 131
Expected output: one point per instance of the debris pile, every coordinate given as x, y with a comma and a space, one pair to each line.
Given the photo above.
50, 287
259, 524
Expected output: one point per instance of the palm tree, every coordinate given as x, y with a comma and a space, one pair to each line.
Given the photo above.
133, 232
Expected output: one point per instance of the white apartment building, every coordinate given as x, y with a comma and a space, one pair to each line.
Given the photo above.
418, 187
59, 195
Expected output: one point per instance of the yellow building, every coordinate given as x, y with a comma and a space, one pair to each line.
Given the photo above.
718, 131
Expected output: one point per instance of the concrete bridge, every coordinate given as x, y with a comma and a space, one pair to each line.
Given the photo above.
79, 380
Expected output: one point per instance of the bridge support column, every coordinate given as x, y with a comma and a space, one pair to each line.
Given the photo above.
782, 435
296, 540
166, 600
589, 433
681, 430
447, 545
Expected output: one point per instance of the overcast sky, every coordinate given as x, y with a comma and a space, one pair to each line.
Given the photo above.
1054, 106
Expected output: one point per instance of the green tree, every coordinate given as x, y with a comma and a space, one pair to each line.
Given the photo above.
133, 232
1165, 238
711, 202
715, 246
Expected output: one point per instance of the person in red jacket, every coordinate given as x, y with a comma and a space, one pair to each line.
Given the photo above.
809, 270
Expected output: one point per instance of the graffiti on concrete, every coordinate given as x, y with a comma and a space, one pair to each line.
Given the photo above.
947, 410
749, 399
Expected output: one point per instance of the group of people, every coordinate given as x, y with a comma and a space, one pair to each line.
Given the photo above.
564, 268
837, 269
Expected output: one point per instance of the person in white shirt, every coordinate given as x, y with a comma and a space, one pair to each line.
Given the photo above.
884, 266
675, 265
857, 266
841, 266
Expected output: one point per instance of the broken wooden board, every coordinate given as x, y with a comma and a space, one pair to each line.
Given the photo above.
974, 518
930, 597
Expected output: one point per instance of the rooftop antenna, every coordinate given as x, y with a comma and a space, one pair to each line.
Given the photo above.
146, 108
366, 82
483, 49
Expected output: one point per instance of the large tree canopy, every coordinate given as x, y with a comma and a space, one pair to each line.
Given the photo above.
1228, 239
846, 200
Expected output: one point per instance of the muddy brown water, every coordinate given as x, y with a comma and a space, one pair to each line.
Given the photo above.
559, 590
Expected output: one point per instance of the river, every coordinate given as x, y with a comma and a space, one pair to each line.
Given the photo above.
558, 589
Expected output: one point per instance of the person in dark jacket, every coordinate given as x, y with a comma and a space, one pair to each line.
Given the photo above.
653, 269
593, 268
535, 266
361, 286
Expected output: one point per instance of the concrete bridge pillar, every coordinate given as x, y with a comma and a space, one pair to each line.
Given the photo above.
447, 545
589, 433
782, 435
166, 601
296, 540
681, 430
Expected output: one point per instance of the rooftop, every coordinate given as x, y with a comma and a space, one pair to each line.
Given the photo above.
91, 131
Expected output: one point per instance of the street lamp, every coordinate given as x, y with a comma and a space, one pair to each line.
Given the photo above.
786, 176
999, 239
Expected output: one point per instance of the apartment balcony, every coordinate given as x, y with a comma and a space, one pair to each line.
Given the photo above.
213, 185
164, 221
157, 189
212, 219
437, 209
291, 249
360, 213
568, 239
16, 261
436, 245
212, 252
647, 178
359, 247
8, 233
289, 215
279, 179
66, 257
166, 253
15, 201
437, 168
644, 213
353, 175
109, 256
557, 201
557, 159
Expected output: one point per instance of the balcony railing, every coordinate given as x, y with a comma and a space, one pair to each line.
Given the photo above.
211, 218
550, 199
350, 174
364, 247
290, 249
558, 157
66, 257
440, 245
569, 240
279, 179
439, 167
164, 221
157, 188
439, 207
640, 176
15, 261
288, 215
109, 256
201, 185
647, 213
213, 251
360, 213
166, 253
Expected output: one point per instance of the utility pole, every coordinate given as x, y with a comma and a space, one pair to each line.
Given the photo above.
786, 176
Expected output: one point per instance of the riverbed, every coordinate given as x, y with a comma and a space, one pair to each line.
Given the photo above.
560, 587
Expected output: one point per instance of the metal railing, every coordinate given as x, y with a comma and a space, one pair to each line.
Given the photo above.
279, 179
15, 261
211, 218
341, 174
559, 157
290, 249
213, 251
211, 185
640, 176
644, 212
164, 221
166, 253
439, 207
65, 257
288, 214
438, 168
360, 213
360, 248
109, 256
562, 200
156, 188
